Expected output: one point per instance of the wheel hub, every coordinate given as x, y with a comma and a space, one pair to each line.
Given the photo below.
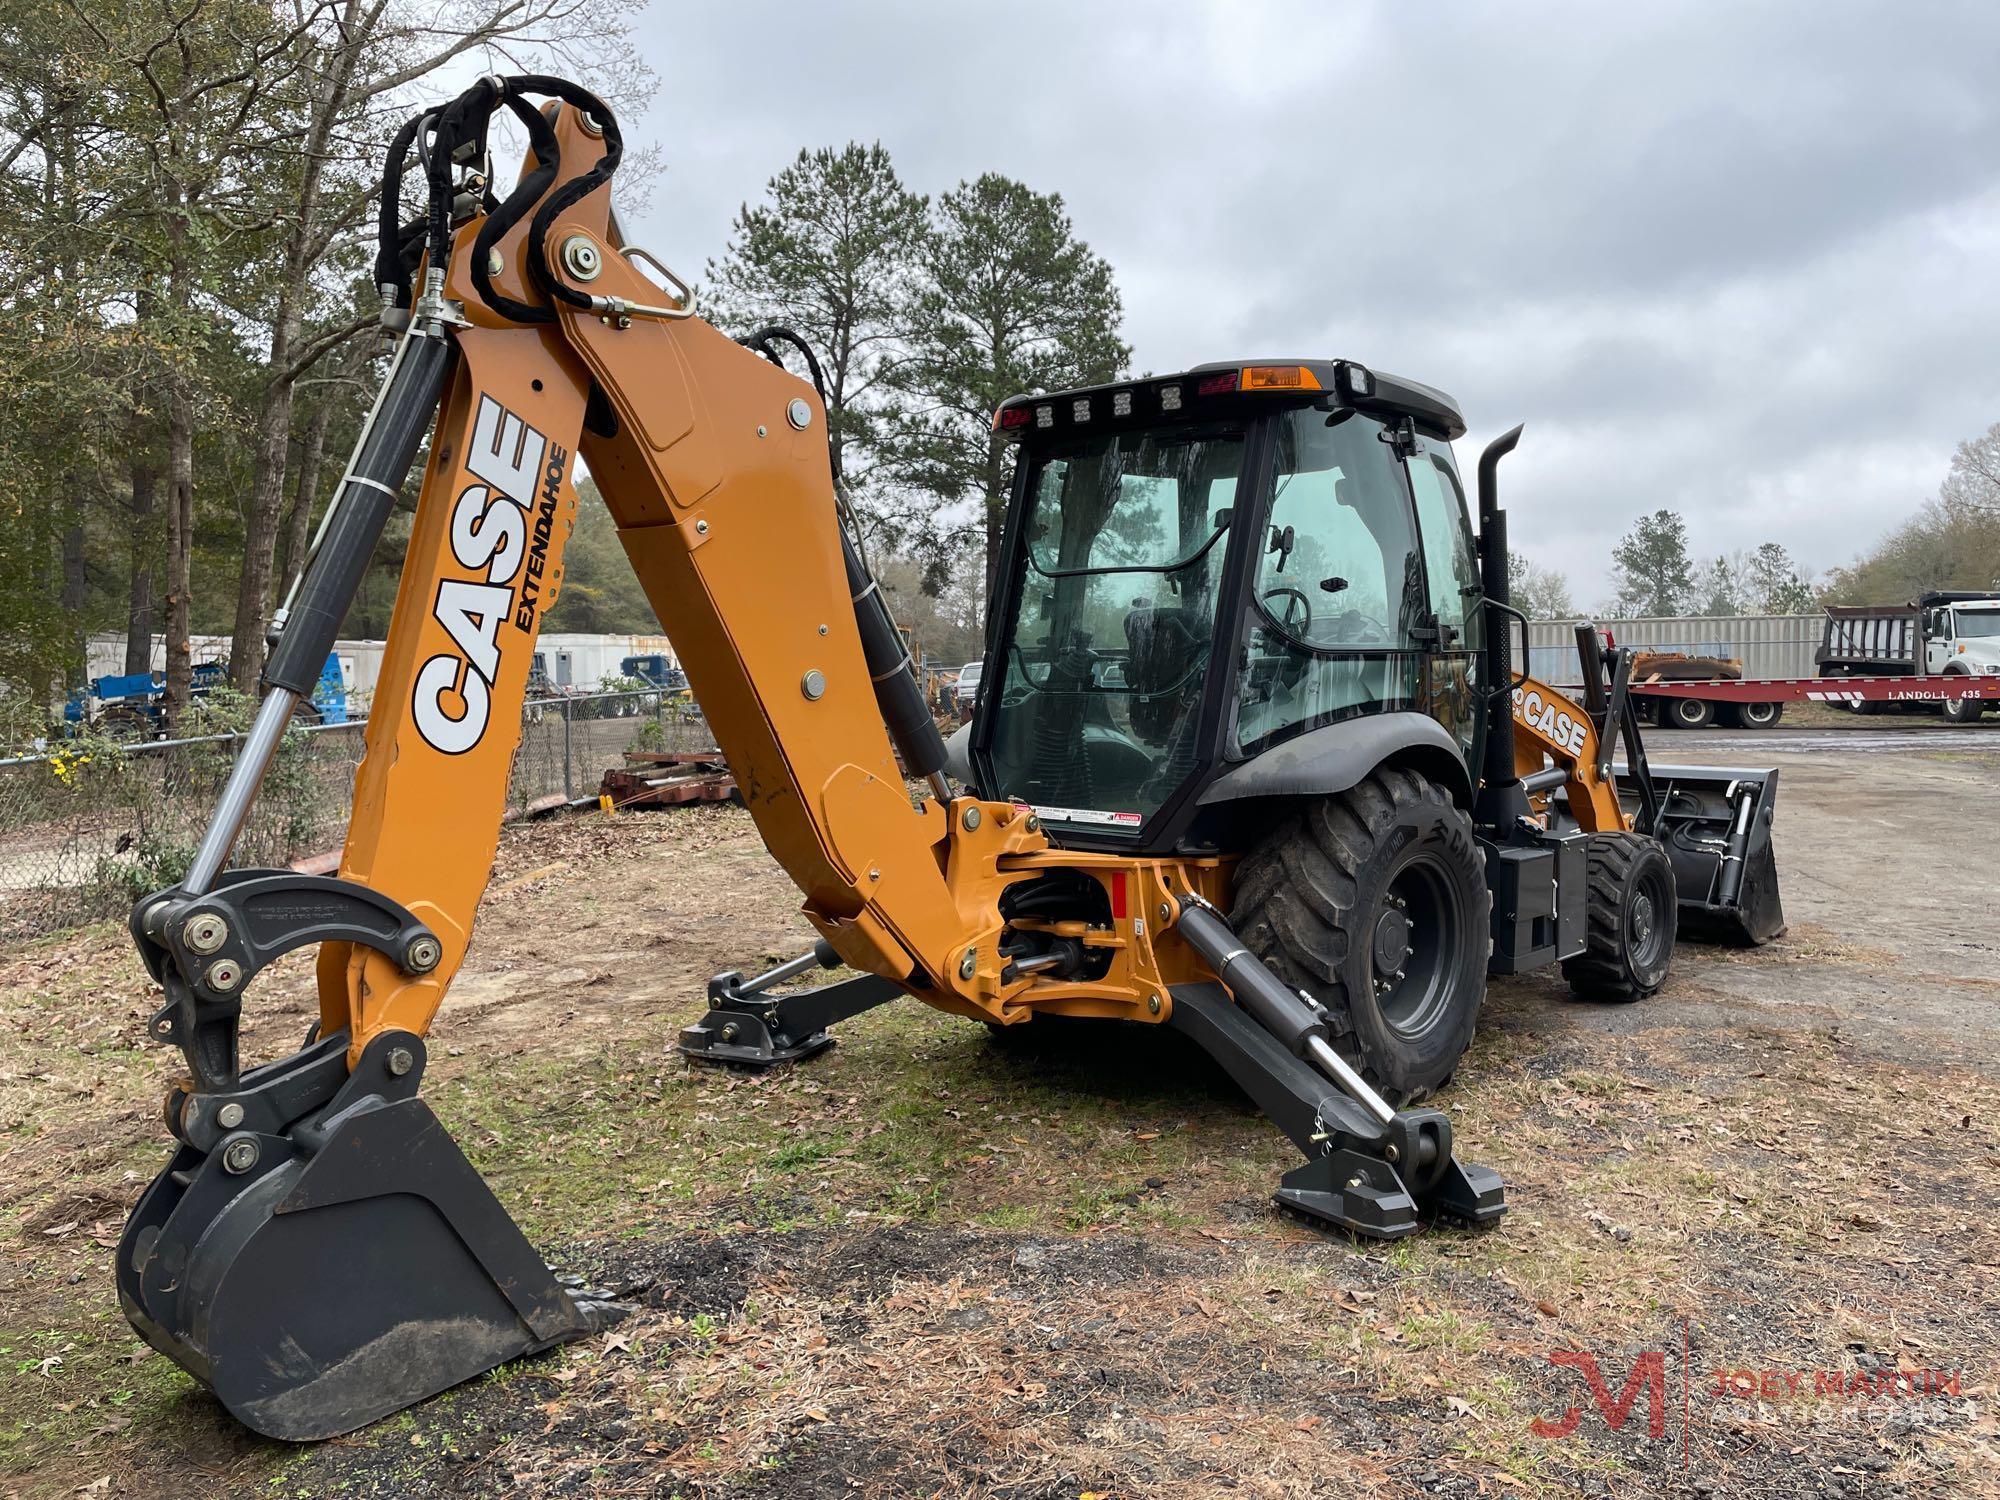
1642, 917
1392, 940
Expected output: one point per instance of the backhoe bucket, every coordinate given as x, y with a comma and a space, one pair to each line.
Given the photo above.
337, 1270
1716, 825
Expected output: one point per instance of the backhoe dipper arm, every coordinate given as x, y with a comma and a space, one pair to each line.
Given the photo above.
318, 1251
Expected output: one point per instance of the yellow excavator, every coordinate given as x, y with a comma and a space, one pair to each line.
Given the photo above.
1251, 760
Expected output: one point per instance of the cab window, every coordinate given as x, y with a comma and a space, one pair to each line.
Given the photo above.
1448, 555
1339, 586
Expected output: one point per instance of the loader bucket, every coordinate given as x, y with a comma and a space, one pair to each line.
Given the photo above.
1716, 825
335, 1271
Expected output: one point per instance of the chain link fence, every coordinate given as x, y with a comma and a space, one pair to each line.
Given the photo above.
90, 825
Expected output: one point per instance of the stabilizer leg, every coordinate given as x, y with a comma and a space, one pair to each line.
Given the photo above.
748, 1028
1371, 1170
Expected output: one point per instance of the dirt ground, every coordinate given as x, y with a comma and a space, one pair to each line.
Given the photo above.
930, 1263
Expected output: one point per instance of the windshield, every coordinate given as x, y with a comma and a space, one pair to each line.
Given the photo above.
1107, 651
1978, 624
969, 673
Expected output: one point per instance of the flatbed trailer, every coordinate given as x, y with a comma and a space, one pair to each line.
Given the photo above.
1758, 703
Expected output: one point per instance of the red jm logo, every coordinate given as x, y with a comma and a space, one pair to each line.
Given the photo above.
1649, 1374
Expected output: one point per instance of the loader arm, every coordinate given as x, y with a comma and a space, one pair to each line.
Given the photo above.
1550, 727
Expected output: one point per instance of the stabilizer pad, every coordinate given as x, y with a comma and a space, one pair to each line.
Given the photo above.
314, 1294
1366, 1196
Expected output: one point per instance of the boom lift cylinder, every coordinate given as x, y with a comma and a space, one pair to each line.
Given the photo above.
911, 728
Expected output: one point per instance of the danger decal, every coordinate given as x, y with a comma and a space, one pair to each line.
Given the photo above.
500, 528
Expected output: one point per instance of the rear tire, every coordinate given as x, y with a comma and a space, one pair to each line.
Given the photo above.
1374, 902
1691, 713
1759, 715
1632, 911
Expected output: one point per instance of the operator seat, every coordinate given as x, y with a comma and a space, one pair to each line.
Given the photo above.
1164, 645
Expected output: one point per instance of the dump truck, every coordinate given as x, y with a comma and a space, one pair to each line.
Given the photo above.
1252, 761
1942, 634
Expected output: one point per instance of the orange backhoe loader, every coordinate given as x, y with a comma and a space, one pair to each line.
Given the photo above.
1242, 765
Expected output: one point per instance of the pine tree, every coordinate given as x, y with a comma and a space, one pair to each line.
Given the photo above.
1011, 300
831, 253
1652, 568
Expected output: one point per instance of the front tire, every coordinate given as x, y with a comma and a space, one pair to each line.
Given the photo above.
1375, 903
1963, 710
1632, 911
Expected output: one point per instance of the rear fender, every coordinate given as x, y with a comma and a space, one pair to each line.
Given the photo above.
1335, 757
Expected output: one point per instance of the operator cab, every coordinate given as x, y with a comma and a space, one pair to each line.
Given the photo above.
1202, 567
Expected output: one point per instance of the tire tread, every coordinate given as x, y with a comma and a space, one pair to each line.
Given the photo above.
1600, 971
1293, 891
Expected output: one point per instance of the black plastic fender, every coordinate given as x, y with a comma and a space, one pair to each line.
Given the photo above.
1335, 757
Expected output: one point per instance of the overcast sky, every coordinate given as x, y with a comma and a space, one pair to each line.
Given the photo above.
1733, 259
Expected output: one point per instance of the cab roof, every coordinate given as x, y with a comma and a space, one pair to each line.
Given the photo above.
1232, 385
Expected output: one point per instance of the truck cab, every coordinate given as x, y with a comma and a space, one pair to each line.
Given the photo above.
1962, 633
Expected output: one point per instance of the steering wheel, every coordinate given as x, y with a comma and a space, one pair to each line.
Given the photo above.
1284, 616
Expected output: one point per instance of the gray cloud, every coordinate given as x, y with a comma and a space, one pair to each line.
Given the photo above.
1737, 260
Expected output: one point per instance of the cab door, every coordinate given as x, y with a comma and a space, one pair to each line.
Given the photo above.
1939, 630
1451, 572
